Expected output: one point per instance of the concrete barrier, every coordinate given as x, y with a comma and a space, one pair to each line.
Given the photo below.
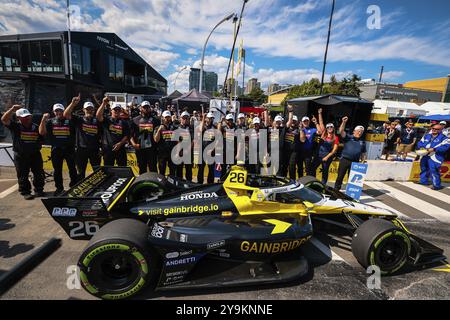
380, 170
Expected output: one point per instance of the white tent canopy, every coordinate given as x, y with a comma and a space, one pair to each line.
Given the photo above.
436, 108
397, 108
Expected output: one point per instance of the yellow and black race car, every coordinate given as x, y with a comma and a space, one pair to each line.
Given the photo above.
245, 230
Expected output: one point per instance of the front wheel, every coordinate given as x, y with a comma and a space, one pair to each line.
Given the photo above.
378, 242
117, 262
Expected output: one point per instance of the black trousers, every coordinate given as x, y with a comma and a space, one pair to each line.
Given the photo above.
58, 157
344, 168
201, 173
179, 171
24, 163
82, 157
165, 161
325, 167
110, 157
147, 160
288, 165
307, 159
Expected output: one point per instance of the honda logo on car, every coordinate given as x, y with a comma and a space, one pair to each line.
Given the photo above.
180, 261
108, 193
64, 212
196, 196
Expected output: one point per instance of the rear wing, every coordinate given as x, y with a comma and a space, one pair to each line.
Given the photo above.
87, 205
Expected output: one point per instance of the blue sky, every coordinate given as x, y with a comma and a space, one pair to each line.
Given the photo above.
284, 39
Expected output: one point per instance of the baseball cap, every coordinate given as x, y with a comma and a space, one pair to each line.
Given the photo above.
88, 105
185, 114
22, 113
241, 115
145, 104
210, 115
256, 120
330, 125
359, 128
294, 118
278, 118
166, 114
116, 105
229, 117
58, 106
305, 118
443, 123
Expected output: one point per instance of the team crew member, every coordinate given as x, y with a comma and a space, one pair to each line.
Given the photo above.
328, 146
437, 144
305, 152
208, 138
229, 137
163, 137
241, 122
406, 141
276, 134
254, 146
142, 140
87, 134
187, 134
27, 144
291, 145
115, 134
61, 133
354, 151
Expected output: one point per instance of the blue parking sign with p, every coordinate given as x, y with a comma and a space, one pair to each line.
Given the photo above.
356, 178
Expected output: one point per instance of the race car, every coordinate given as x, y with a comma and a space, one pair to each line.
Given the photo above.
247, 229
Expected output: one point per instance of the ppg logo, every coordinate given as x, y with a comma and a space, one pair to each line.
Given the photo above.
357, 178
64, 212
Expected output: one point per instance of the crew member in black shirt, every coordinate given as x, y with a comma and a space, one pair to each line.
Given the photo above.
61, 134
208, 138
115, 134
87, 133
187, 135
27, 144
163, 137
142, 129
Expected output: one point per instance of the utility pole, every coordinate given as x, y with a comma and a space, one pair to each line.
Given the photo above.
326, 48
381, 74
69, 41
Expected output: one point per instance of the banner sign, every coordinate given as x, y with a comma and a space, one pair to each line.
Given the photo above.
356, 180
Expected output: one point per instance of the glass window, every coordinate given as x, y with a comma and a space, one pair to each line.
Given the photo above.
25, 61
57, 56
10, 53
1, 59
76, 58
112, 68
119, 69
35, 53
46, 56
86, 60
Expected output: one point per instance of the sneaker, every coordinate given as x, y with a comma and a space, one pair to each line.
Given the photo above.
58, 192
28, 196
39, 194
437, 188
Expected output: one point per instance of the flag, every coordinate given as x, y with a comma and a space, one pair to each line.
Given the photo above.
240, 56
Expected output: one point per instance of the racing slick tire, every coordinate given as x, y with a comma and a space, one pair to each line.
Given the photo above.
117, 262
312, 183
147, 186
379, 242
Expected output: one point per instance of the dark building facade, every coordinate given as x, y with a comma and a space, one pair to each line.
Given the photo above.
34, 69
398, 93
209, 80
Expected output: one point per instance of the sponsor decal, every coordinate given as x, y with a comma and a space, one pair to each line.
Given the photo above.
224, 255
215, 245
108, 193
150, 212
185, 253
191, 209
177, 262
64, 212
198, 195
157, 231
171, 280
271, 247
172, 255
183, 237
87, 185
89, 213
177, 273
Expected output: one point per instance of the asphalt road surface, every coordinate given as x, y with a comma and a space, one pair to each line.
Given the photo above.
334, 272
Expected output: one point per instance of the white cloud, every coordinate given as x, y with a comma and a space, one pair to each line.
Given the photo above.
158, 59
390, 75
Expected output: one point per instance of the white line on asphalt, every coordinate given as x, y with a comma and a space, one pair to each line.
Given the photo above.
366, 199
427, 190
325, 250
425, 207
9, 190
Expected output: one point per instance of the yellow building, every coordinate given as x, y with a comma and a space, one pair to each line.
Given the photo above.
275, 98
436, 84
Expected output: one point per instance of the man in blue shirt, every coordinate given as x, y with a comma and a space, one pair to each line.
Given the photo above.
437, 145
305, 152
354, 151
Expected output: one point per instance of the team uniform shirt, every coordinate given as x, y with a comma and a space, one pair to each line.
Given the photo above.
165, 143
310, 134
87, 132
114, 130
276, 137
61, 133
291, 139
407, 136
25, 140
353, 148
326, 145
143, 129
186, 134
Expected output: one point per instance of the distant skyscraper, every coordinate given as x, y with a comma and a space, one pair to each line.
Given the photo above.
273, 87
252, 84
209, 80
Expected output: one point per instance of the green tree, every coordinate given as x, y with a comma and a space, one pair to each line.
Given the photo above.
257, 94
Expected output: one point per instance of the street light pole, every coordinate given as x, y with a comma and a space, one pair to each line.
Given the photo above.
175, 82
204, 48
69, 44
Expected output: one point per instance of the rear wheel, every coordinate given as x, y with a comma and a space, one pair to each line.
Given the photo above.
378, 242
147, 186
117, 262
